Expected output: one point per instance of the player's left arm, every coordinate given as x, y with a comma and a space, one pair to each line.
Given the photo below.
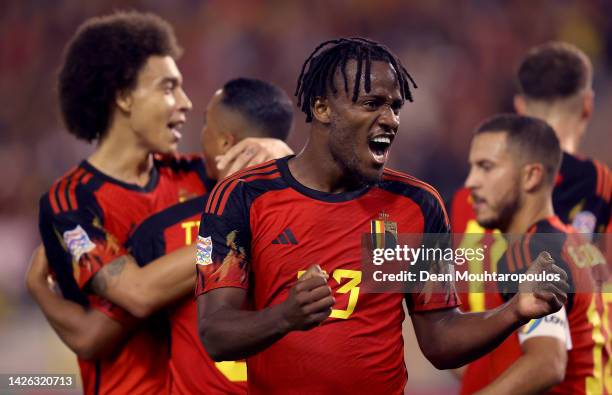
88, 332
450, 338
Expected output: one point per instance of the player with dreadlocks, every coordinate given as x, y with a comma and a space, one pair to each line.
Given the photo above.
284, 238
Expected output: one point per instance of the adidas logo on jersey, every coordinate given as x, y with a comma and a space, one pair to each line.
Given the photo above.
286, 237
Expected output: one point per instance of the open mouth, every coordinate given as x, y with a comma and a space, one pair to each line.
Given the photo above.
175, 127
379, 147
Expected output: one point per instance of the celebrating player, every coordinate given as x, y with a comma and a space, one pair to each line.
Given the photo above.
279, 248
554, 83
132, 103
514, 162
243, 108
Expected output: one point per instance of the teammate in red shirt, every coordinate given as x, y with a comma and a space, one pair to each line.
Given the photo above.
554, 83
243, 108
514, 162
303, 217
133, 105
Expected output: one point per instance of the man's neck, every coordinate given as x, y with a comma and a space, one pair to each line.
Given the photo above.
534, 209
568, 128
316, 169
119, 156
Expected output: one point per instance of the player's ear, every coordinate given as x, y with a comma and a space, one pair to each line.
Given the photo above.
227, 141
533, 176
520, 106
588, 102
320, 110
124, 100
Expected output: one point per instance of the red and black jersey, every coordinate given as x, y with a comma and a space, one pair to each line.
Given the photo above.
589, 360
582, 197
191, 369
583, 194
261, 229
85, 221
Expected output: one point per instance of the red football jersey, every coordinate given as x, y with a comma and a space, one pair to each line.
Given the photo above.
261, 228
191, 369
582, 195
589, 363
85, 221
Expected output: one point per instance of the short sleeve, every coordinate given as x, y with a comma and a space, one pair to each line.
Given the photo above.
224, 240
76, 243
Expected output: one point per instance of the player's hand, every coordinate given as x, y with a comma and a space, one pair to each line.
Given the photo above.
249, 152
310, 301
37, 274
537, 299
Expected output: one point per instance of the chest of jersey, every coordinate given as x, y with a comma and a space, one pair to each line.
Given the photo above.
291, 232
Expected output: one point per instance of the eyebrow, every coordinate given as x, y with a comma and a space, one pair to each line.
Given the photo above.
174, 80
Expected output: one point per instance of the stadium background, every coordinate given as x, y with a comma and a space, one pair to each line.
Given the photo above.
462, 54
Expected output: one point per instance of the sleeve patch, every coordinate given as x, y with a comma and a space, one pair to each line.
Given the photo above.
78, 242
204, 251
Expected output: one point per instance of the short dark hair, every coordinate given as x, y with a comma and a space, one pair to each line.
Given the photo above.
554, 70
317, 75
532, 138
103, 58
262, 103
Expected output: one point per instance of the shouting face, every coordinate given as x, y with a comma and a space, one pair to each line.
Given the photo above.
361, 132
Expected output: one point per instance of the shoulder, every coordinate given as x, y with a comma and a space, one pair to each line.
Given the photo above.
245, 186
72, 192
411, 187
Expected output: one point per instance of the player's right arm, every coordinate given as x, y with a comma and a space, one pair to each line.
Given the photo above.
228, 332
86, 257
227, 329
142, 290
88, 332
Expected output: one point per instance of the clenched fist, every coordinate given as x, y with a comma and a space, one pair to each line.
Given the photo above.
536, 299
310, 300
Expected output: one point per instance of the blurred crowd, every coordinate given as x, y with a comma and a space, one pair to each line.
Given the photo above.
462, 54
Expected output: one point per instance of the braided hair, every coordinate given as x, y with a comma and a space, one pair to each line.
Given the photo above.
318, 71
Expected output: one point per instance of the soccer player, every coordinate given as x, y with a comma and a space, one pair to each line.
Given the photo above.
513, 167
243, 108
554, 82
132, 104
304, 217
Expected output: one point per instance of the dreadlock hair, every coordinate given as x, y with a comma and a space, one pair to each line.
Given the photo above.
317, 75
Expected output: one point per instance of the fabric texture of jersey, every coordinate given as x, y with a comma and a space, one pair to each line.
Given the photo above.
191, 369
589, 357
85, 221
581, 197
265, 228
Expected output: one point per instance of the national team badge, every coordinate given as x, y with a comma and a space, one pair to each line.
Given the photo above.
78, 242
383, 231
204, 251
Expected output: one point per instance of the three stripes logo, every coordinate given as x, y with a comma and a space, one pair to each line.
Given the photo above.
286, 237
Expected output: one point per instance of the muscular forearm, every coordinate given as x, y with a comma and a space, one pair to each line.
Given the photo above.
454, 338
541, 367
231, 334
524, 377
143, 290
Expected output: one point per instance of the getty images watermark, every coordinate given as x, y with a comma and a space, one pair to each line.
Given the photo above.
481, 262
